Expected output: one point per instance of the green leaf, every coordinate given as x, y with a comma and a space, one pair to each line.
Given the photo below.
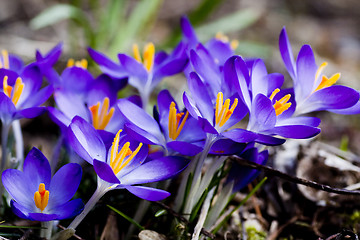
126, 217
138, 23
56, 14
205, 8
230, 23
198, 205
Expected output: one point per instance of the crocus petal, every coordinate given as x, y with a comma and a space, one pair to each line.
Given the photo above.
184, 148
296, 131
105, 172
306, 70
7, 108
64, 184
308, 121
76, 79
147, 193
155, 170
138, 75
188, 32
85, 140
263, 115
243, 77
16, 183
138, 117
71, 104
20, 210
30, 112
355, 109
142, 135
240, 135
259, 80
38, 98
42, 217
286, 53
269, 140
206, 126
170, 68
275, 80
201, 96
334, 97
51, 57
37, 168
164, 101
32, 79
69, 209
191, 106
106, 64
220, 50
226, 147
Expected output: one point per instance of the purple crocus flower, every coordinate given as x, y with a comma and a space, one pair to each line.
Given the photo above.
144, 72
123, 165
37, 196
313, 90
270, 108
21, 93
172, 129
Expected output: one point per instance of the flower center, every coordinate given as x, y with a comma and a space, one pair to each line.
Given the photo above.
222, 110
101, 117
325, 81
41, 197
222, 37
120, 159
280, 105
149, 53
83, 63
13, 92
174, 121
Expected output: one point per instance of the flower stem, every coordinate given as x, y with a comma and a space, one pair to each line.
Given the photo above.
19, 147
99, 192
46, 230
4, 153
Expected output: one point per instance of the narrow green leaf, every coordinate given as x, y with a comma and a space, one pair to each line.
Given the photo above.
138, 23
126, 217
203, 10
230, 23
160, 213
198, 205
56, 14
20, 227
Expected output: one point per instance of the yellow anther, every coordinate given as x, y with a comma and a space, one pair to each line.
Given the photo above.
222, 37
149, 55
174, 121
102, 119
18, 88
6, 88
234, 44
5, 59
320, 70
83, 63
223, 111
136, 52
70, 63
41, 197
325, 81
281, 105
14, 91
274, 93
119, 160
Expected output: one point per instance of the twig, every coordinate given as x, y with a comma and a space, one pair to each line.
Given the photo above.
64, 228
181, 218
296, 180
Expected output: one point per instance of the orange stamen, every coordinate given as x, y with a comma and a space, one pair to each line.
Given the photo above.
174, 121
41, 197
100, 121
223, 111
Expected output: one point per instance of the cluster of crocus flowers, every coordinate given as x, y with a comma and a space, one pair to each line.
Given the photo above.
208, 119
